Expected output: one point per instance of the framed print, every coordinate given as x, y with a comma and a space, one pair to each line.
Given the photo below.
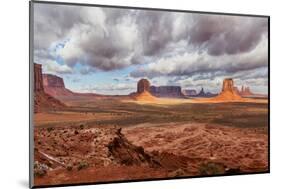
121, 94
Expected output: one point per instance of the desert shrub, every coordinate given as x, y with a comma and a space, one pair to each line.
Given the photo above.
81, 126
69, 167
49, 129
212, 168
82, 165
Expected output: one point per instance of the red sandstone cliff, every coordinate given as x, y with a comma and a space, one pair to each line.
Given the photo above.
43, 101
38, 79
54, 86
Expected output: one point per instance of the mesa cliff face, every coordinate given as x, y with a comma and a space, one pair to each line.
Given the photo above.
42, 100
166, 91
38, 79
54, 86
50, 80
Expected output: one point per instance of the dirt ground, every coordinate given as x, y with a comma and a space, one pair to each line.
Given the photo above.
97, 140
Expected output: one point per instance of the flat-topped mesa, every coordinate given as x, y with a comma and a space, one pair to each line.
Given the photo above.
166, 91
50, 80
143, 85
54, 86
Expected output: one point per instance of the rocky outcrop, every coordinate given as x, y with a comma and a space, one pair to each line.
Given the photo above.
228, 92
166, 91
128, 154
42, 100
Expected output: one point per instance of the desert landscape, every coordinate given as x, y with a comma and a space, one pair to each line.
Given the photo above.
88, 138
128, 94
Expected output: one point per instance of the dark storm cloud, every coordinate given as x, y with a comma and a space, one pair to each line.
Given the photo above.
52, 22
227, 35
155, 31
162, 43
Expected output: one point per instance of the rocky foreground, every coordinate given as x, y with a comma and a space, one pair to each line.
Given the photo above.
76, 155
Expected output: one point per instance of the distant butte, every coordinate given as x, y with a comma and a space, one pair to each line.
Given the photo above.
228, 92
143, 93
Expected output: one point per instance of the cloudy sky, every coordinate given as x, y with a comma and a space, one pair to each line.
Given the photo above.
107, 50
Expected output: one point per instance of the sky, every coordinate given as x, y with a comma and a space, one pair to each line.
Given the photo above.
107, 50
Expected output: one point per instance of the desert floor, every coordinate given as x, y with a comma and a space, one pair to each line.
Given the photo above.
112, 139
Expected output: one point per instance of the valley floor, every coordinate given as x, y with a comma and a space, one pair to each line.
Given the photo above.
113, 140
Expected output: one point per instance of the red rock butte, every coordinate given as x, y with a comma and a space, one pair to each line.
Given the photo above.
143, 93
228, 92
143, 85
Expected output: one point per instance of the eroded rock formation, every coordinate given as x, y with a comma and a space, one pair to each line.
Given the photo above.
143, 85
245, 91
143, 93
202, 93
41, 99
228, 92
